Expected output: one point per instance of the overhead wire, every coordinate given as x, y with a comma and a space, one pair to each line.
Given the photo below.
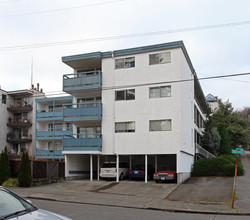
61, 9
60, 93
117, 37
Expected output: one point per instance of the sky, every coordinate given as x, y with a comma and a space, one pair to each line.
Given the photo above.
36, 34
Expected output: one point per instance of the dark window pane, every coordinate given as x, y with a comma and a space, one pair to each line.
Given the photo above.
119, 95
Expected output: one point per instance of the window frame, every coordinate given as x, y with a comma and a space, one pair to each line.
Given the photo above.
4, 98
125, 63
160, 92
126, 127
160, 125
157, 60
125, 95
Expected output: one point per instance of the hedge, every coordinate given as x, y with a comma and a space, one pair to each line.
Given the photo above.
223, 165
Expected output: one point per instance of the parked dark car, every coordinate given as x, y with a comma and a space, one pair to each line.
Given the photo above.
14, 207
165, 174
138, 172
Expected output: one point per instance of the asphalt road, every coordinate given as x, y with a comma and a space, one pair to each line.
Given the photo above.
83, 211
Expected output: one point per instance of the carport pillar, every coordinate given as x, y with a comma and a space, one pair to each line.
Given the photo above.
146, 168
117, 168
156, 168
91, 167
98, 167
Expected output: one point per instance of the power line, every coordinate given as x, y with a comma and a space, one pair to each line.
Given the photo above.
60, 9
60, 93
117, 37
7, 1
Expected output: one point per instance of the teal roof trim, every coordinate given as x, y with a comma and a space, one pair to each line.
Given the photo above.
54, 99
124, 52
82, 56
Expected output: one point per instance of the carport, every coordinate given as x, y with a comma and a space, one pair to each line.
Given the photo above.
157, 161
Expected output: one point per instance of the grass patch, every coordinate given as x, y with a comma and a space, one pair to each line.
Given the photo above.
10, 182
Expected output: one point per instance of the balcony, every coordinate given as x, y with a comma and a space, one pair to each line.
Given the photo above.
82, 142
82, 81
14, 138
49, 154
22, 107
17, 122
48, 114
52, 134
89, 111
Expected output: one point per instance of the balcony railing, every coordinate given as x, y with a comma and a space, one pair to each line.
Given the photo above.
82, 142
20, 138
19, 122
82, 81
82, 111
49, 154
22, 107
51, 134
203, 152
48, 114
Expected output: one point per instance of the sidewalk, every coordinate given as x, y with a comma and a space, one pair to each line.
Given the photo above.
125, 194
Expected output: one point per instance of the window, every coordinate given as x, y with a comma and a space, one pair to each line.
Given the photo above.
125, 63
160, 92
124, 127
160, 125
3, 99
125, 95
159, 58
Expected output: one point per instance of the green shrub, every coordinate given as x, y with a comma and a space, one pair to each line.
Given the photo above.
223, 165
4, 166
25, 178
11, 182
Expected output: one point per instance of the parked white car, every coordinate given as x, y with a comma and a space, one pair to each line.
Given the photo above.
108, 170
14, 207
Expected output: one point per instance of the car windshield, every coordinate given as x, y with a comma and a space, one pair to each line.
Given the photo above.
139, 167
109, 165
166, 169
12, 205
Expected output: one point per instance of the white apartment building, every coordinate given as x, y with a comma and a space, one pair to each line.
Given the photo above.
138, 105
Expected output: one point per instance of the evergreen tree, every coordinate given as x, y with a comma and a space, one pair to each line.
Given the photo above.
225, 143
25, 178
4, 166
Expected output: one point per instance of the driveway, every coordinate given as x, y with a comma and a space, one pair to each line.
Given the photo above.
208, 189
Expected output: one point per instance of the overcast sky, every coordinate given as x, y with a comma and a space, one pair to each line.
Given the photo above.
216, 42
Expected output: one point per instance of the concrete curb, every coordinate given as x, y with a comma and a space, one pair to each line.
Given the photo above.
147, 208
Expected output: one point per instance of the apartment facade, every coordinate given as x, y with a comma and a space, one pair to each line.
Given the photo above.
139, 105
51, 127
17, 120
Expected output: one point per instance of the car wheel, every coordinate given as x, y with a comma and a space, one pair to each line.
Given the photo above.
121, 176
157, 181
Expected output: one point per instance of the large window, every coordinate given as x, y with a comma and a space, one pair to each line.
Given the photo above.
160, 92
125, 63
159, 58
125, 95
124, 127
160, 125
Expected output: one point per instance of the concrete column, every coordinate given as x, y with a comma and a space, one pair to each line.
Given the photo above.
130, 162
146, 168
66, 165
98, 167
117, 168
91, 167
156, 168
